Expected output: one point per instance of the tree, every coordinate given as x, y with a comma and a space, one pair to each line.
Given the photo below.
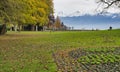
23, 12
109, 3
58, 23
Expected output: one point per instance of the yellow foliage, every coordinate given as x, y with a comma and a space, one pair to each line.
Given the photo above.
27, 11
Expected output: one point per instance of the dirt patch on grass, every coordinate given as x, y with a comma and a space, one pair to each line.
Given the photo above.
80, 60
65, 63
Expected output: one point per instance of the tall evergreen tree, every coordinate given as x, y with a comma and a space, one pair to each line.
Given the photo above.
58, 23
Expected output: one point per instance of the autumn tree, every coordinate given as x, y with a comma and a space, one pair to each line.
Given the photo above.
57, 23
23, 12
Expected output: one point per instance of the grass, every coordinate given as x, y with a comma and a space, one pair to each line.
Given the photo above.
33, 51
94, 59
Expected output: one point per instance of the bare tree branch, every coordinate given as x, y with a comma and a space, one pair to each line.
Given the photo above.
109, 3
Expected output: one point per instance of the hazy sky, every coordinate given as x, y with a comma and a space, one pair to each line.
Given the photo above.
83, 6
80, 8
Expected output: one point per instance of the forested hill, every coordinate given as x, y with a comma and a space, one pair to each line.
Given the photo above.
25, 11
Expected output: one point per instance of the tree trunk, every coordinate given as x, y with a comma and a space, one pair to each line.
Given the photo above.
15, 28
36, 27
32, 28
23, 28
3, 29
19, 28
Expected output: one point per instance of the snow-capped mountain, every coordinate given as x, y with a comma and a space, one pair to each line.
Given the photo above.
79, 13
92, 21
76, 13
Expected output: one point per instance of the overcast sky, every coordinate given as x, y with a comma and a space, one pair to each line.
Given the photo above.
83, 6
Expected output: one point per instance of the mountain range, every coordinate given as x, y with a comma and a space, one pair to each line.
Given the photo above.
99, 21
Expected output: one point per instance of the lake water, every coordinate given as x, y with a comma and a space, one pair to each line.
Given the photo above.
95, 26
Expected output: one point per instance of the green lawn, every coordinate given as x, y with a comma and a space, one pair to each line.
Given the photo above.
33, 51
